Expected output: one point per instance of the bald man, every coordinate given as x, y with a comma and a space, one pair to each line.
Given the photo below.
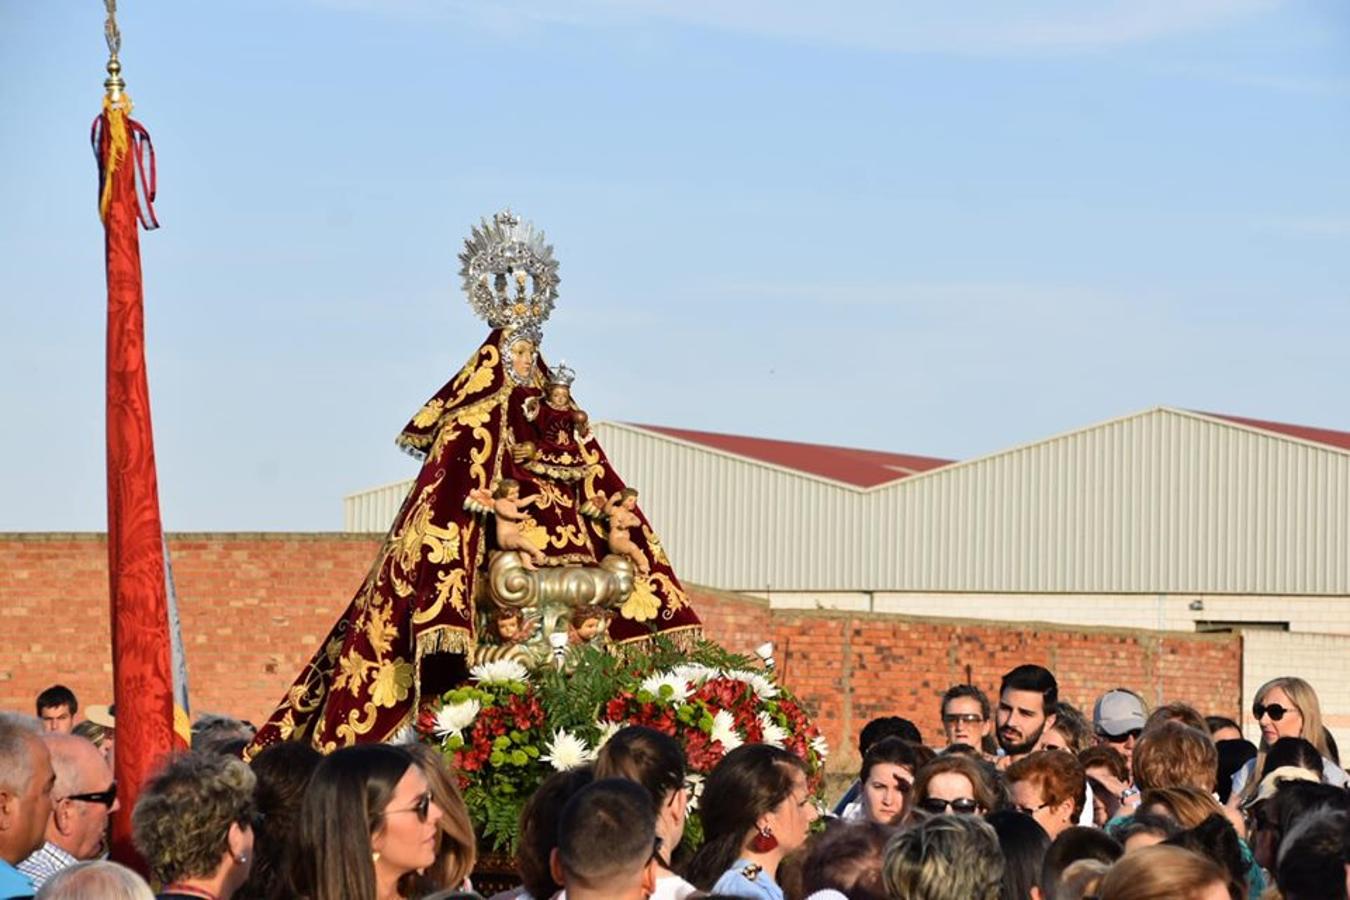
82, 799
26, 780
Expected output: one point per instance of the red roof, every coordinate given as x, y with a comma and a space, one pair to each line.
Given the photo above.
862, 468
1326, 436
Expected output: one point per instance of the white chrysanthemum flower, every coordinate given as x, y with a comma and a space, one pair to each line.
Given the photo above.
499, 671
695, 673
607, 731
764, 688
694, 782
567, 751
821, 746
724, 730
679, 687
774, 734
404, 736
453, 718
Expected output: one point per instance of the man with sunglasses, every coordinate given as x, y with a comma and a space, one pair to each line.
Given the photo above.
1118, 719
83, 797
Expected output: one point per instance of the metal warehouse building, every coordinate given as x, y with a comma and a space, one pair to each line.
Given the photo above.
1160, 519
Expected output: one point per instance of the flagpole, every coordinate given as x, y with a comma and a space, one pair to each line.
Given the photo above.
142, 669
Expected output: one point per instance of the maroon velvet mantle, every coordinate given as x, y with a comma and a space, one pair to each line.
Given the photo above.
408, 631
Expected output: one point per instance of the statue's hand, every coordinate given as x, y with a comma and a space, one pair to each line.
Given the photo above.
522, 452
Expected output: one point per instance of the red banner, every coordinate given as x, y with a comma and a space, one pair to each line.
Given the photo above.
142, 670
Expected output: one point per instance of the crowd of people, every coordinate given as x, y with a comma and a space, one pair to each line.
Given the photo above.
1024, 797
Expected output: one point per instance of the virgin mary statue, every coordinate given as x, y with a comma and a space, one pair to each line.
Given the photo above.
504, 427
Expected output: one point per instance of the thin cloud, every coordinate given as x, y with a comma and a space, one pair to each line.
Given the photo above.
1333, 227
990, 28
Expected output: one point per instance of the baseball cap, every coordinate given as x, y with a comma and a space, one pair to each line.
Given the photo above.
1117, 712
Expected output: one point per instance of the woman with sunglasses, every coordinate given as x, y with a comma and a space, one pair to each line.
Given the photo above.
756, 809
456, 845
953, 783
1285, 707
367, 823
193, 823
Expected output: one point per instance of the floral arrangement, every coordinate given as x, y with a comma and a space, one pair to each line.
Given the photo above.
510, 728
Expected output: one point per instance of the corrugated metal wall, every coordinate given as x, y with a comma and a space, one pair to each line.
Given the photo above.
1160, 502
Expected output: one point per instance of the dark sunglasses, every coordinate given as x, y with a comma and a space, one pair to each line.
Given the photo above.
1274, 710
422, 808
962, 806
1123, 737
1032, 810
107, 798
958, 718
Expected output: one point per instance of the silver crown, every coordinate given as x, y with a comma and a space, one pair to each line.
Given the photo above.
509, 272
562, 374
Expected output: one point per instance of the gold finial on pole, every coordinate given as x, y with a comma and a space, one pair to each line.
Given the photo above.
114, 84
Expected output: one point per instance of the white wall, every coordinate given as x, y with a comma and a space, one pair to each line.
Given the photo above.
1164, 612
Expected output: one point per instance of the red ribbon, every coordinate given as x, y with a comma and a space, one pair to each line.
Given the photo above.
146, 181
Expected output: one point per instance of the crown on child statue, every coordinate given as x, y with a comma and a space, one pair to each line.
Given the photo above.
562, 374
509, 272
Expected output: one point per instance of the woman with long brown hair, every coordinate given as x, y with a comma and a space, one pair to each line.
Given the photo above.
368, 820
756, 809
456, 846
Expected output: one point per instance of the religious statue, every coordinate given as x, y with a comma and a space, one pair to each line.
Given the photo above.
498, 546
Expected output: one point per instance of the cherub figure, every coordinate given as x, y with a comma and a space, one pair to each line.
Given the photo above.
506, 505
587, 623
512, 626
619, 509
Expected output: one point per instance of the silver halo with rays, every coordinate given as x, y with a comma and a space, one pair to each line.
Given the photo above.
509, 272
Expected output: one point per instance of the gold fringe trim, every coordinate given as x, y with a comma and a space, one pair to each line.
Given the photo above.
444, 639
441, 639
685, 638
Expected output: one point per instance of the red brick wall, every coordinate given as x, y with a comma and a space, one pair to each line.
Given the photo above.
255, 606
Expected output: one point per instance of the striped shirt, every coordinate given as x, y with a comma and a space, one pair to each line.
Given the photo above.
46, 862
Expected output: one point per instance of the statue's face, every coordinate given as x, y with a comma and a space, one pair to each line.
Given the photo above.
559, 394
630, 502
508, 629
522, 358
589, 629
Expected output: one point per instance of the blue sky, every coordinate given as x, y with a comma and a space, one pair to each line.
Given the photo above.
930, 228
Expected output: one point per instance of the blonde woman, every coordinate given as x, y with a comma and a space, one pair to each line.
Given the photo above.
1164, 873
193, 823
1285, 707
1187, 806
949, 857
